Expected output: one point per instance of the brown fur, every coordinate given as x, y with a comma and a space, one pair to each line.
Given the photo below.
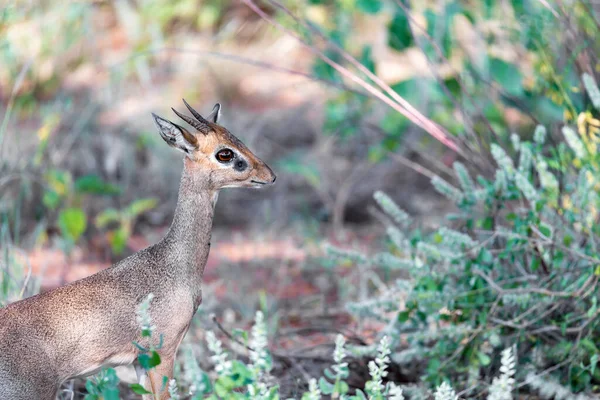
79, 328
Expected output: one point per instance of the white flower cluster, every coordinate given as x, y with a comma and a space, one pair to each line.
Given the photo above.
173, 391
143, 316
313, 391
219, 358
502, 386
193, 374
258, 342
378, 367
339, 353
395, 392
445, 392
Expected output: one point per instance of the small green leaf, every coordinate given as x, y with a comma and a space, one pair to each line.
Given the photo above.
484, 359
399, 34
403, 316
366, 58
72, 223
140, 206
118, 239
95, 185
593, 363
106, 217
329, 373
51, 199
326, 387
485, 256
149, 361
369, 6
507, 76
546, 230
139, 389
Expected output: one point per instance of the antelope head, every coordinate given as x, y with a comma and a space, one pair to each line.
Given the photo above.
214, 153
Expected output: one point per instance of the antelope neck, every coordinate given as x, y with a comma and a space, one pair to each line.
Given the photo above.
190, 232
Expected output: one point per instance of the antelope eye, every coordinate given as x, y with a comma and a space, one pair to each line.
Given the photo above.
224, 155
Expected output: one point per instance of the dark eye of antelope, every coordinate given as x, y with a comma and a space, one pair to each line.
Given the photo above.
224, 155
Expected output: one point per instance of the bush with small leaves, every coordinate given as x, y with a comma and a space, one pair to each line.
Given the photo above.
517, 265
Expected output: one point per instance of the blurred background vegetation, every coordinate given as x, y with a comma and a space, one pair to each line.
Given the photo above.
475, 121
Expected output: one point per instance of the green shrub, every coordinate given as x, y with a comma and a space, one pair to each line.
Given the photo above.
516, 265
236, 379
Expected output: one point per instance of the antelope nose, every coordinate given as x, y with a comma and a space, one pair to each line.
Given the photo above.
274, 178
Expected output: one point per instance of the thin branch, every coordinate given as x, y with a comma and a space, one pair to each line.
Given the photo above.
402, 106
244, 60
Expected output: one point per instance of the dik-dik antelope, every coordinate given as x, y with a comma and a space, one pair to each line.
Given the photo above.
79, 328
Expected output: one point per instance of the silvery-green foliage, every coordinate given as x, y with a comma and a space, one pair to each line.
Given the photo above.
573, 141
502, 159
539, 135
339, 354
456, 239
259, 356
525, 159
437, 253
344, 254
314, 393
173, 390
335, 384
464, 178
219, 357
395, 392
393, 262
378, 369
398, 238
193, 375
592, 89
515, 140
449, 332
516, 299
447, 189
490, 267
526, 188
408, 356
143, 316
445, 392
501, 182
375, 307
400, 216
549, 388
547, 178
502, 386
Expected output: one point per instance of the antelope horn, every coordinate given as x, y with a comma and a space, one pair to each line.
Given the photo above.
195, 113
201, 127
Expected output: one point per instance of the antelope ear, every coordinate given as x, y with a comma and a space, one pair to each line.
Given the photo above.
175, 135
215, 114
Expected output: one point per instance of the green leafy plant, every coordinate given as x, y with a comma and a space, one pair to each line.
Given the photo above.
120, 223
104, 386
148, 357
64, 197
517, 264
